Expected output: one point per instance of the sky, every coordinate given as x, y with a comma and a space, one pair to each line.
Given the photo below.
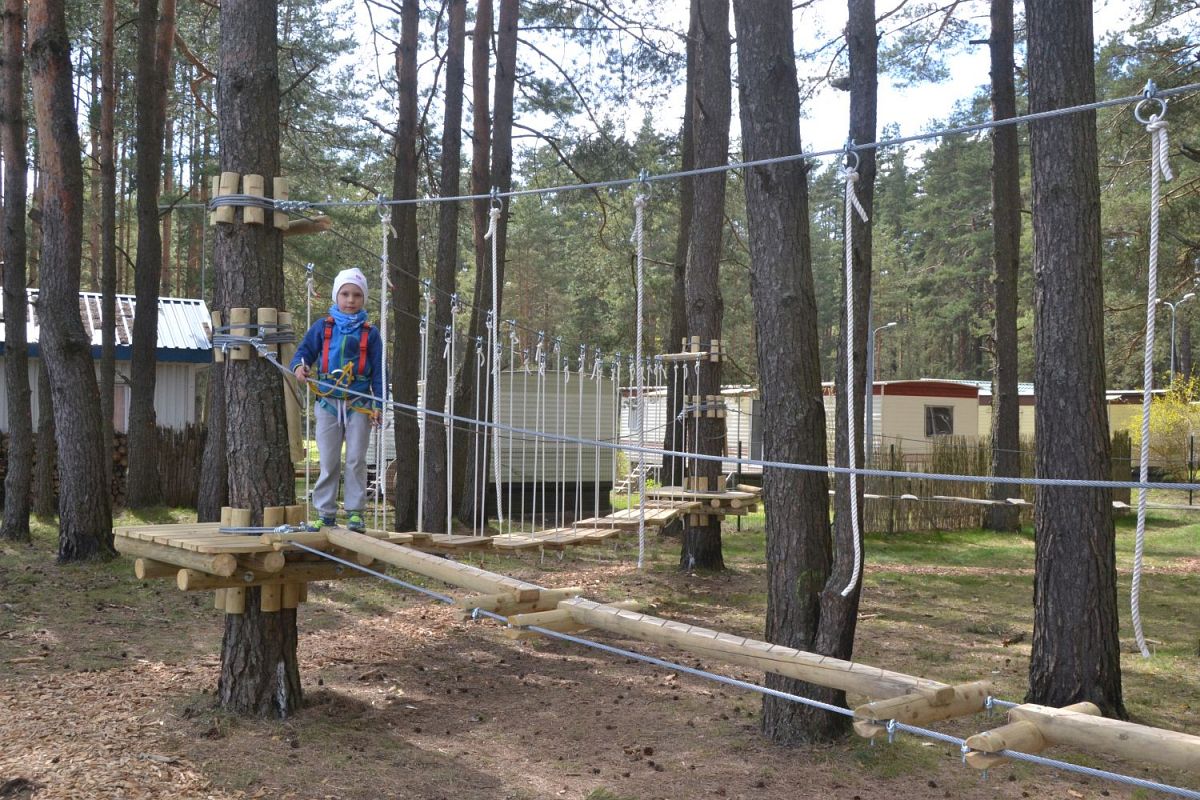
826, 114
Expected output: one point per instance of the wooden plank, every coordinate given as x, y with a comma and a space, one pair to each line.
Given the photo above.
515, 541
222, 564
132, 531
834, 673
1139, 744
432, 566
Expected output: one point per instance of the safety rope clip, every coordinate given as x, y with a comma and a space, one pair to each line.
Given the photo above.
851, 153
891, 730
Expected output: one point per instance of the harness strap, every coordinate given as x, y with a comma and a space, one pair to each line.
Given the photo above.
362, 346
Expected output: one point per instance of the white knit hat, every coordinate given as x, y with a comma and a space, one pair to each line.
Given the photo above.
352, 275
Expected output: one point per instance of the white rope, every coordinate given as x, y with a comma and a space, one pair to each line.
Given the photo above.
478, 423
381, 432
1159, 170
851, 205
579, 447
639, 211
448, 355
493, 225
422, 421
309, 288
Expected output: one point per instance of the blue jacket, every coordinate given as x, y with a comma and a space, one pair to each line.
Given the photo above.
343, 353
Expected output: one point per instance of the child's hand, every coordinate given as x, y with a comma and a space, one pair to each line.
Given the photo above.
377, 418
302, 371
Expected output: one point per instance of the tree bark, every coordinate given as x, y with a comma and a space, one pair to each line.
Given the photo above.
259, 672
108, 229
501, 179
153, 68
673, 467
799, 543
1076, 652
404, 266
481, 147
701, 548
45, 468
436, 498
1006, 259
16, 346
85, 512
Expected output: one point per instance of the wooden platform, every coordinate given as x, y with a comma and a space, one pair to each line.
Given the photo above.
198, 538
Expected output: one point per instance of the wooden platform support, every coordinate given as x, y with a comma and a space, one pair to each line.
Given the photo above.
1022, 736
190, 580
147, 568
834, 673
871, 719
559, 620
1068, 727
220, 564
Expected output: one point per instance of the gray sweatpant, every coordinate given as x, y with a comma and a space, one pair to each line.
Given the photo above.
354, 429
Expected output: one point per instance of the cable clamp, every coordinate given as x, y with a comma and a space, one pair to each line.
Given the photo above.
1150, 95
891, 730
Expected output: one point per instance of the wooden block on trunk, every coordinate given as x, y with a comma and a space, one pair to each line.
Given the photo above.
235, 601
280, 192
253, 185
270, 598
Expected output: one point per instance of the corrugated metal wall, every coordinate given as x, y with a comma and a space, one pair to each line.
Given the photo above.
174, 395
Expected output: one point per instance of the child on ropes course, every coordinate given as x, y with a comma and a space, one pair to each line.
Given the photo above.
344, 350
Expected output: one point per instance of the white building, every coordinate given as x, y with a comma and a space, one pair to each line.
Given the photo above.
182, 357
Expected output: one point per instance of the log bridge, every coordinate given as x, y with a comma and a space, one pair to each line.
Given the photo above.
200, 557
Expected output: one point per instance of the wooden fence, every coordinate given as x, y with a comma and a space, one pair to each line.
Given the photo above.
179, 458
909, 504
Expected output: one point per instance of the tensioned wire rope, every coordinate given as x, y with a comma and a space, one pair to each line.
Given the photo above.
892, 727
301, 205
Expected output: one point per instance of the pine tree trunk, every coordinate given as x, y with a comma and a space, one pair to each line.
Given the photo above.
213, 492
673, 466
501, 178
1076, 652
12, 245
1006, 258
85, 514
701, 548
434, 509
799, 543
143, 488
108, 229
467, 385
405, 267
259, 671
45, 467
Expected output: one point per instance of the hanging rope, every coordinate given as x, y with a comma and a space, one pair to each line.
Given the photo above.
493, 227
381, 432
639, 213
1160, 170
850, 174
448, 355
422, 402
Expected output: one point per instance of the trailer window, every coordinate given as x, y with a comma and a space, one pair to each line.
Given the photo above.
939, 421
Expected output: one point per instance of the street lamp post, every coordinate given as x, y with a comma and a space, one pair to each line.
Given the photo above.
868, 441
1173, 306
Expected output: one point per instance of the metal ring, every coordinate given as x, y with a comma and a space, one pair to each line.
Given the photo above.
1162, 110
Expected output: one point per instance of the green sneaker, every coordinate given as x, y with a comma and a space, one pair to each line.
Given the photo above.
355, 522
322, 522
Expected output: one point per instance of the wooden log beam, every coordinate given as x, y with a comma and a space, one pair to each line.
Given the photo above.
431, 566
968, 698
1127, 740
523, 602
146, 568
190, 580
221, 564
262, 562
281, 541
559, 620
834, 673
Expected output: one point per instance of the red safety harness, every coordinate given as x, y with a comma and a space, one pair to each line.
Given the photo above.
362, 347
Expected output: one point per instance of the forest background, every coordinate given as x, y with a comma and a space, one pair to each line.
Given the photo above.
595, 87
